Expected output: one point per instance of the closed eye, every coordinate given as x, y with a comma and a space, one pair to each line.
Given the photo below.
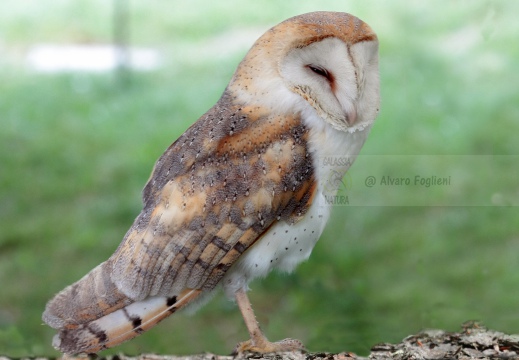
320, 71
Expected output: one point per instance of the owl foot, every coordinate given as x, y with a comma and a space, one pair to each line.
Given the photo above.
264, 346
258, 343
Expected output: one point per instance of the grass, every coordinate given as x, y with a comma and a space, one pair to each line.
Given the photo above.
76, 149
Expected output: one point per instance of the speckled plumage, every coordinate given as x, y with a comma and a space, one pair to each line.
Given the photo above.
241, 191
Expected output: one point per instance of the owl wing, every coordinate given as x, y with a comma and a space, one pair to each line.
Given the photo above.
211, 196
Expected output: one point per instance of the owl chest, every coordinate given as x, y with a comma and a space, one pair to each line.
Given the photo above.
284, 246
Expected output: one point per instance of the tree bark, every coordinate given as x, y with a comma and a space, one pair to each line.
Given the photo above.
474, 341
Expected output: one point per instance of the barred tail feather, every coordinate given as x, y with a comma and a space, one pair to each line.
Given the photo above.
90, 298
121, 325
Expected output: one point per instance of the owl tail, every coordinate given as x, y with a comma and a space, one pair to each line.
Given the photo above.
92, 314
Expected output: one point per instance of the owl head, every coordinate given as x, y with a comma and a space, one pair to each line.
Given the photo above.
325, 63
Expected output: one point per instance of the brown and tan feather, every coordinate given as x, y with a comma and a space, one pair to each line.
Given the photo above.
211, 196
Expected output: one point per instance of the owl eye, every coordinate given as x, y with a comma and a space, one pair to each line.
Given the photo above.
320, 71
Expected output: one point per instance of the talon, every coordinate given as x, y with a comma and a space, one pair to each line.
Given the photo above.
286, 345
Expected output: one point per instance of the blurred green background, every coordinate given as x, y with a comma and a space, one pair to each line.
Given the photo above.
76, 148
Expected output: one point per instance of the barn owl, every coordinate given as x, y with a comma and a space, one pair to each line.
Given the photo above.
241, 192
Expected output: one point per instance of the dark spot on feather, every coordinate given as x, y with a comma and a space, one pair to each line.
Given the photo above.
203, 264
97, 332
136, 323
171, 301
221, 244
240, 247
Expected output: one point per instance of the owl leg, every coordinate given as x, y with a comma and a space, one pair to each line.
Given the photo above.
258, 342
